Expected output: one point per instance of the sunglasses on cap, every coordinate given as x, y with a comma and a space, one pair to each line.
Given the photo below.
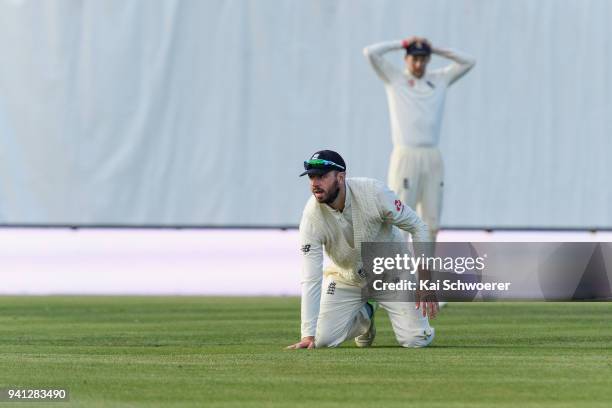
320, 163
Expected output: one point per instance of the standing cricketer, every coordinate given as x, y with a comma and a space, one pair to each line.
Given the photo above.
416, 104
341, 214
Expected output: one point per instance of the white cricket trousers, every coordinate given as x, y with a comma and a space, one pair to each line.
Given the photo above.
343, 316
416, 175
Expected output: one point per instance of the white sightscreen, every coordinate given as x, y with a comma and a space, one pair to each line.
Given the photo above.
200, 112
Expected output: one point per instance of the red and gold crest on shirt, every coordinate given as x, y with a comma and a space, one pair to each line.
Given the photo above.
398, 205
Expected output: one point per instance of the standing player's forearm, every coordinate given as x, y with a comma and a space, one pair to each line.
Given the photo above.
375, 55
454, 55
379, 49
462, 63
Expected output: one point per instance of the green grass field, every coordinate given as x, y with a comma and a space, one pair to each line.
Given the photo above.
229, 352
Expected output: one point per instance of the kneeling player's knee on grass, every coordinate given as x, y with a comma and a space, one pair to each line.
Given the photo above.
325, 341
328, 335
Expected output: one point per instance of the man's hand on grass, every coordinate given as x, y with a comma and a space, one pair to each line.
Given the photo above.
306, 342
427, 301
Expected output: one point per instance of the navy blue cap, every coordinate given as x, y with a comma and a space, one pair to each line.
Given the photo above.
418, 48
330, 161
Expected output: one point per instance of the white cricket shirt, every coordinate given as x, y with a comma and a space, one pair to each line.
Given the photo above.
311, 241
416, 105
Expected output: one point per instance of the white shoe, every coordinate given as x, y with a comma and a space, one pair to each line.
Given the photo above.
366, 339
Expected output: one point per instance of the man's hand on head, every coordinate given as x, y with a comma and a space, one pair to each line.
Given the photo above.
406, 43
307, 342
415, 39
425, 41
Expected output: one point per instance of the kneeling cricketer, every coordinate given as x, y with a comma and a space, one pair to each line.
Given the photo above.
341, 214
